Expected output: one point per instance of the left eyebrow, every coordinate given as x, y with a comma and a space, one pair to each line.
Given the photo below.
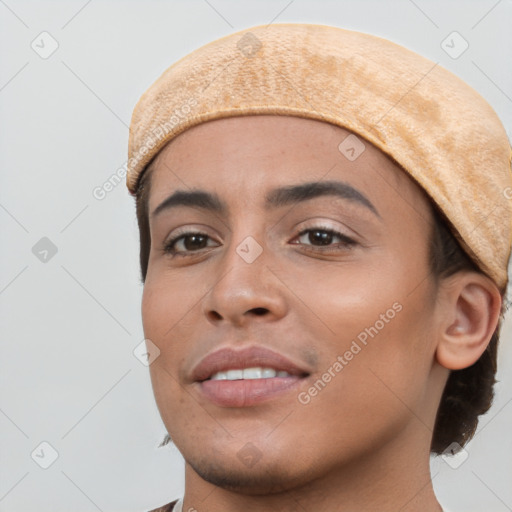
276, 198
296, 193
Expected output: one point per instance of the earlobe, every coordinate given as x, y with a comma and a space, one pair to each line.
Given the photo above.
471, 305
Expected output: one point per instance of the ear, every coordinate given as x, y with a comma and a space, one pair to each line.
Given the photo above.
471, 305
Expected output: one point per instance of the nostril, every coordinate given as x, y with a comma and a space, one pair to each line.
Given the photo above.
259, 311
215, 315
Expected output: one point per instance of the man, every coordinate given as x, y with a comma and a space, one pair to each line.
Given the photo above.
325, 233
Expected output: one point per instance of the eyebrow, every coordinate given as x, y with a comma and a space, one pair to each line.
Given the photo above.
276, 198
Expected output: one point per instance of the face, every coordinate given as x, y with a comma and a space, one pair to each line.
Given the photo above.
259, 269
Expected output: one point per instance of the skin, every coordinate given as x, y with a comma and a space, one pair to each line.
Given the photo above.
362, 443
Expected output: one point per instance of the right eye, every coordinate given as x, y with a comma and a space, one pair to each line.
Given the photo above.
184, 243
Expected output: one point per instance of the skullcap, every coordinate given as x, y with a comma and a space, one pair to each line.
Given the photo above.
434, 125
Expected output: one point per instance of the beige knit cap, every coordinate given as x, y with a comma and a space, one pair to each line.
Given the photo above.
440, 130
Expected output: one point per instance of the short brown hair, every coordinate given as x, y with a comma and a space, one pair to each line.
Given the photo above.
468, 392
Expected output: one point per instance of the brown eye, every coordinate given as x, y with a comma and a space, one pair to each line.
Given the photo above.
319, 237
186, 242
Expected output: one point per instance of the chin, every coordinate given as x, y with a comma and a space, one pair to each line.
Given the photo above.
263, 478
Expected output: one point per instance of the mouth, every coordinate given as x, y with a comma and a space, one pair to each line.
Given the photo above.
254, 373
243, 378
232, 392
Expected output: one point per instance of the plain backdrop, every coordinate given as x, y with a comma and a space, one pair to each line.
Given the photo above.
74, 395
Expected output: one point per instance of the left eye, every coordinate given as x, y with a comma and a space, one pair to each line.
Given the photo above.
325, 237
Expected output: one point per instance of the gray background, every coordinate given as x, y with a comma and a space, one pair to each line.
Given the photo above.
70, 323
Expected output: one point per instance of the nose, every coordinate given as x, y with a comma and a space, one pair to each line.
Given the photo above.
244, 292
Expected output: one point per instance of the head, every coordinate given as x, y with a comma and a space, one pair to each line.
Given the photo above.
370, 293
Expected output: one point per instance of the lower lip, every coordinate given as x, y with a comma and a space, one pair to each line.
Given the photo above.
244, 393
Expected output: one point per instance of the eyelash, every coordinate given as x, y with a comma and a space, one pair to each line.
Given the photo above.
346, 242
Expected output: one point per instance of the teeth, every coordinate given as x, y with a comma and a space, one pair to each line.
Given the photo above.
252, 373
249, 373
234, 374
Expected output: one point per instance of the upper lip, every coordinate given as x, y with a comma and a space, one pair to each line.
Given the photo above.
249, 357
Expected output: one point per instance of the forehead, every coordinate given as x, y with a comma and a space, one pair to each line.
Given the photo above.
242, 158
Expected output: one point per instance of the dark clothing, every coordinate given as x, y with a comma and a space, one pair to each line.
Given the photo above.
165, 508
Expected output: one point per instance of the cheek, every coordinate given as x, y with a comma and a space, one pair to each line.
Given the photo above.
365, 391
170, 316
162, 310
378, 319
167, 305
344, 299
157, 307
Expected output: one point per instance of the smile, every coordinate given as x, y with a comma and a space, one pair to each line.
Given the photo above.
250, 374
